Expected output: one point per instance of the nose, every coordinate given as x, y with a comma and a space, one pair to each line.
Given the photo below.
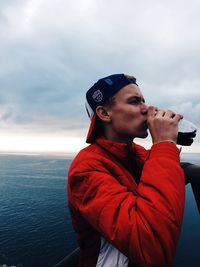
144, 109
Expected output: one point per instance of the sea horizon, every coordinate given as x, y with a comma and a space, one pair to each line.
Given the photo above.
68, 155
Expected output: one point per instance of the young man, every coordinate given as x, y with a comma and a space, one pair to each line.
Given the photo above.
126, 202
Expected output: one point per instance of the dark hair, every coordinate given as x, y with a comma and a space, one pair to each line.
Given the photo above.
110, 102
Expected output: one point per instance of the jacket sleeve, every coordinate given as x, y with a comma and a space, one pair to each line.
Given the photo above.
144, 226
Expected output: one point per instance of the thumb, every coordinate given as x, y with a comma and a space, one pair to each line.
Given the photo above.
151, 111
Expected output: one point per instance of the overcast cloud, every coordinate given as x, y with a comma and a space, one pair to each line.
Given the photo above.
53, 51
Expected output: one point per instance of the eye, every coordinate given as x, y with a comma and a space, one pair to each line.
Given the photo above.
135, 101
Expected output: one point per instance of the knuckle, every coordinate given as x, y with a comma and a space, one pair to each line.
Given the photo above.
158, 119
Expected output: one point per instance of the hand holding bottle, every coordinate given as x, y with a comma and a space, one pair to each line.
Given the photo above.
163, 124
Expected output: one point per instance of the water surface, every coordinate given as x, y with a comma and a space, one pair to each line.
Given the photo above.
35, 226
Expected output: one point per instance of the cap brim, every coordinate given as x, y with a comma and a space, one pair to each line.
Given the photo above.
92, 132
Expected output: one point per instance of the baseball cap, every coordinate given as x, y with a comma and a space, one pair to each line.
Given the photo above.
98, 94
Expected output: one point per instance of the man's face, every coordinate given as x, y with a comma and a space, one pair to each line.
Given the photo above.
128, 114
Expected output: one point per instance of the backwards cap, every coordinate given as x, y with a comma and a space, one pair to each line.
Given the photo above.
99, 93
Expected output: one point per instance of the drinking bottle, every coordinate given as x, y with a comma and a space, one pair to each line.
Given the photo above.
186, 133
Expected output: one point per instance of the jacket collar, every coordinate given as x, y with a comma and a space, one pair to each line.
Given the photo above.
130, 156
121, 151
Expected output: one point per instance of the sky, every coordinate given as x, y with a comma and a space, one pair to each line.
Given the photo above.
52, 52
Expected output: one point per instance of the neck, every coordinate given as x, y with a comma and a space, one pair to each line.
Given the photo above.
114, 136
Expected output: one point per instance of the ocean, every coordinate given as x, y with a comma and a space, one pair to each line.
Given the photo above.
35, 225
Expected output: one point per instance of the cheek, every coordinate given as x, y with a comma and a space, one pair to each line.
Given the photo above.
125, 117
129, 114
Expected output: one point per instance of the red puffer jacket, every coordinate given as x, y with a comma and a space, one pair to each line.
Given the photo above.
119, 222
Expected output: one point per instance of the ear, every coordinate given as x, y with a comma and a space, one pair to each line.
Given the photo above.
103, 114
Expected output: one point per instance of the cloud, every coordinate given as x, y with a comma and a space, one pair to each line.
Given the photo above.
53, 51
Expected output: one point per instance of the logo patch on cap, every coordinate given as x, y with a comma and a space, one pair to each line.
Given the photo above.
108, 81
97, 96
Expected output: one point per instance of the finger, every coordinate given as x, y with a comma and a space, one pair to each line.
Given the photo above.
160, 113
170, 114
151, 111
178, 117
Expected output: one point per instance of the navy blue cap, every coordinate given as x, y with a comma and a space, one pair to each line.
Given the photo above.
105, 88
99, 93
